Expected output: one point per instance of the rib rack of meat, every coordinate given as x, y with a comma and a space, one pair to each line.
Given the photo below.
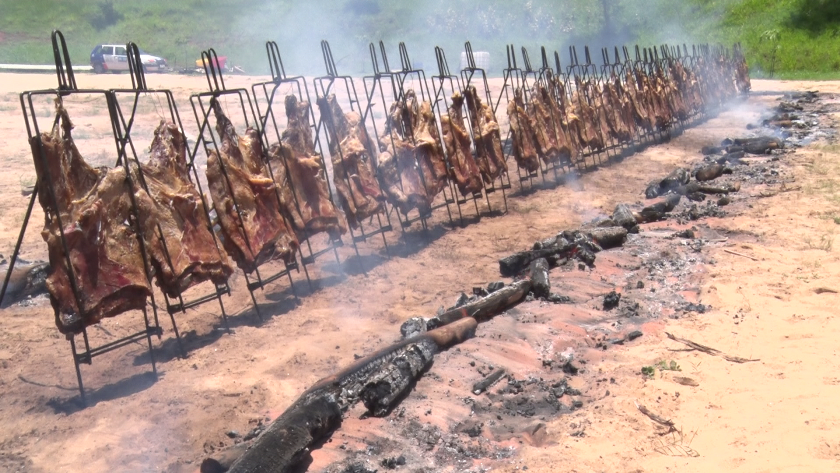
523, 135
300, 174
412, 166
488, 139
463, 171
352, 154
181, 248
97, 267
245, 198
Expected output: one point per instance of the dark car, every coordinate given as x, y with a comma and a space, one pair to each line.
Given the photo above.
113, 58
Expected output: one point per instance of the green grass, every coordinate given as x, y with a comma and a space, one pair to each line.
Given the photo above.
793, 39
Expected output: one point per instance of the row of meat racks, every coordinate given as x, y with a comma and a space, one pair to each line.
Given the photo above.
383, 87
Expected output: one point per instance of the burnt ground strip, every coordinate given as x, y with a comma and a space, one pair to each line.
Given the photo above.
480, 401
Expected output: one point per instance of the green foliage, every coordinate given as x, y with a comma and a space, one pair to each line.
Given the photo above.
671, 366
650, 371
782, 37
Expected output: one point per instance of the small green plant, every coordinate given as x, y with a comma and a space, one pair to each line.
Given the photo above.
648, 371
672, 366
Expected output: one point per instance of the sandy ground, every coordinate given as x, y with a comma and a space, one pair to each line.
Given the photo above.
777, 414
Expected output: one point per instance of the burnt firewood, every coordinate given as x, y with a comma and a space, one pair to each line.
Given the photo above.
611, 300
608, 237
678, 177
709, 150
657, 211
495, 286
623, 216
710, 172
516, 263
653, 190
413, 326
382, 391
732, 158
724, 189
26, 280
287, 440
487, 382
540, 282
760, 145
487, 307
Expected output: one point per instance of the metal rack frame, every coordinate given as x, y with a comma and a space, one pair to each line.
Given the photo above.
440, 95
269, 120
514, 79
397, 81
328, 84
207, 140
542, 76
66, 88
125, 145
467, 75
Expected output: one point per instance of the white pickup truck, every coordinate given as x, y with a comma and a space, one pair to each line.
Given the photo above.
113, 58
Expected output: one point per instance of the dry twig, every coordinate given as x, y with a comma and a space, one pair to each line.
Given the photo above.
654, 417
686, 381
784, 188
709, 350
740, 254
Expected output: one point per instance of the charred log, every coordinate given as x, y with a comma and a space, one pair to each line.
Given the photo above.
711, 172
608, 237
26, 281
487, 382
732, 158
287, 440
540, 282
760, 145
486, 307
624, 217
379, 380
657, 211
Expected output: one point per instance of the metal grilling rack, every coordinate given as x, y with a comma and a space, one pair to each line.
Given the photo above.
268, 121
397, 81
514, 79
66, 88
612, 71
331, 84
468, 78
127, 149
441, 93
582, 74
543, 77
202, 108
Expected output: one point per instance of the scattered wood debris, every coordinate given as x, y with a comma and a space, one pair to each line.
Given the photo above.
740, 254
656, 418
685, 381
709, 350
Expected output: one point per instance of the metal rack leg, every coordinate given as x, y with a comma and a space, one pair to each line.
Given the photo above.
149, 339
174, 328
224, 314
292, 285
78, 370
